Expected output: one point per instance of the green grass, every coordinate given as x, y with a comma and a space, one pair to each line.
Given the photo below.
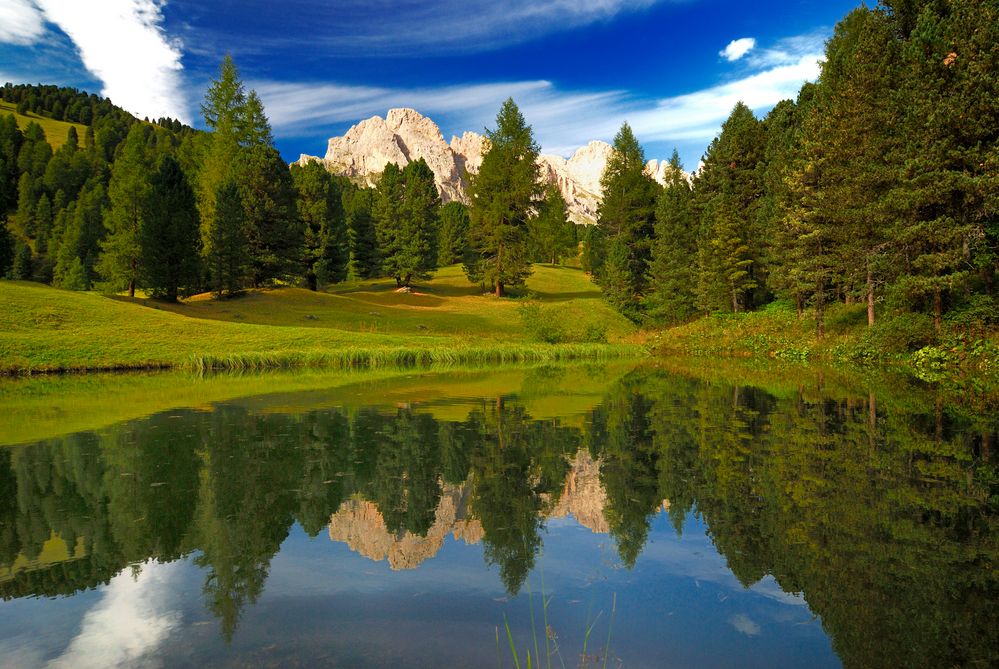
55, 131
369, 325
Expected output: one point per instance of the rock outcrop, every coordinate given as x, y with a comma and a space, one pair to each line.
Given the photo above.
405, 135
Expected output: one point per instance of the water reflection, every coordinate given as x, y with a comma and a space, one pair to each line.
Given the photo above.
881, 510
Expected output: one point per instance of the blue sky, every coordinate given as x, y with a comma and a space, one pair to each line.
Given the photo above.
577, 68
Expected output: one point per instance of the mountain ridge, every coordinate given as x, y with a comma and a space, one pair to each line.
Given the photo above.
405, 134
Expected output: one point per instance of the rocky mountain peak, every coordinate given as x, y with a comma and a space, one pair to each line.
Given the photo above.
405, 135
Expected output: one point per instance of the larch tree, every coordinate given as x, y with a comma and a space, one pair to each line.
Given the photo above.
504, 195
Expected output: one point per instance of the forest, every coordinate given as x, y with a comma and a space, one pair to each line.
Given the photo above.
877, 186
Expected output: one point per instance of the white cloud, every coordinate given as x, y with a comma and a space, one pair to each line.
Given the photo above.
20, 22
121, 42
128, 624
738, 48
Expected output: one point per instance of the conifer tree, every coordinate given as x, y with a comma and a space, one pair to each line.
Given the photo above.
11, 139
228, 244
6, 249
504, 194
553, 235
671, 275
321, 210
418, 228
452, 233
128, 194
171, 240
387, 212
626, 220
359, 204
727, 191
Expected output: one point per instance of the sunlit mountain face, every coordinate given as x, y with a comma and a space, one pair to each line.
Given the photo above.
684, 520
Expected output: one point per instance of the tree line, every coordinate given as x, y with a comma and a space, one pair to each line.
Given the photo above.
877, 185
175, 212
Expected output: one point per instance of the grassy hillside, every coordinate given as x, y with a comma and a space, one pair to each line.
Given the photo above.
55, 131
46, 329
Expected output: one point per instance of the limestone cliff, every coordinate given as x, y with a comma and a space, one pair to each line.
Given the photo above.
405, 135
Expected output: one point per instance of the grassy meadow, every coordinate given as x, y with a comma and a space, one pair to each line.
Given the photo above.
444, 321
55, 131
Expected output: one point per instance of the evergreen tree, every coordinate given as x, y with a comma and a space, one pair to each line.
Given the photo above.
274, 232
170, 237
671, 275
6, 249
11, 139
417, 258
504, 194
359, 204
553, 235
321, 210
452, 233
387, 212
128, 194
727, 190
228, 243
22, 267
626, 218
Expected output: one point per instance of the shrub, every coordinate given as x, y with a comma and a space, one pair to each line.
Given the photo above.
900, 334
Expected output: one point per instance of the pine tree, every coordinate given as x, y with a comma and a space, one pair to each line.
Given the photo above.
228, 244
321, 210
671, 275
418, 227
359, 203
727, 191
170, 237
452, 233
504, 194
553, 235
128, 194
6, 249
387, 212
626, 218
11, 139
274, 232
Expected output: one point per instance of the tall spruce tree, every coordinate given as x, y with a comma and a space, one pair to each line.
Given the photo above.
553, 235
359, 205
670, 298
452, 233
417, 257
170, 237
228, 244
128, 193
626, 220
387, 212
727, 190
321, 210
504, 194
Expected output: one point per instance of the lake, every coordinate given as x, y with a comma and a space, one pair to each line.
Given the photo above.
665, 515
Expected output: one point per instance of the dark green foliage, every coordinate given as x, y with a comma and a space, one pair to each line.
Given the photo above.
6, 249
671, 277
504, 194
552, 234
405, 213
362, 238
319, 203
11, 139
452, 233
626, 221
727, 190
227, 258
170, 238
22, 267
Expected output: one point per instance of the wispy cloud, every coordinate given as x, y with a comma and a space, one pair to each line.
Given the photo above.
20, 22
738, 48
562, 120
394, 27
122, 42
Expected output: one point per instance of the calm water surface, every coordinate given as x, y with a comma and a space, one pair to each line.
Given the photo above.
768, 520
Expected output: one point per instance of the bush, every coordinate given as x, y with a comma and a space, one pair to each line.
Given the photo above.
976, 315
550, 324
900, 334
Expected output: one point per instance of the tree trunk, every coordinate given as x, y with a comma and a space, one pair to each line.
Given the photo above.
499, 289
735, 302
131, 288
313, 281
937, 309
820, 322
407, 280
870, 298
398, 282
797, 305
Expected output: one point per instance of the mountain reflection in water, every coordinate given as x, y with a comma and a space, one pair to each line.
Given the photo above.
878, 506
